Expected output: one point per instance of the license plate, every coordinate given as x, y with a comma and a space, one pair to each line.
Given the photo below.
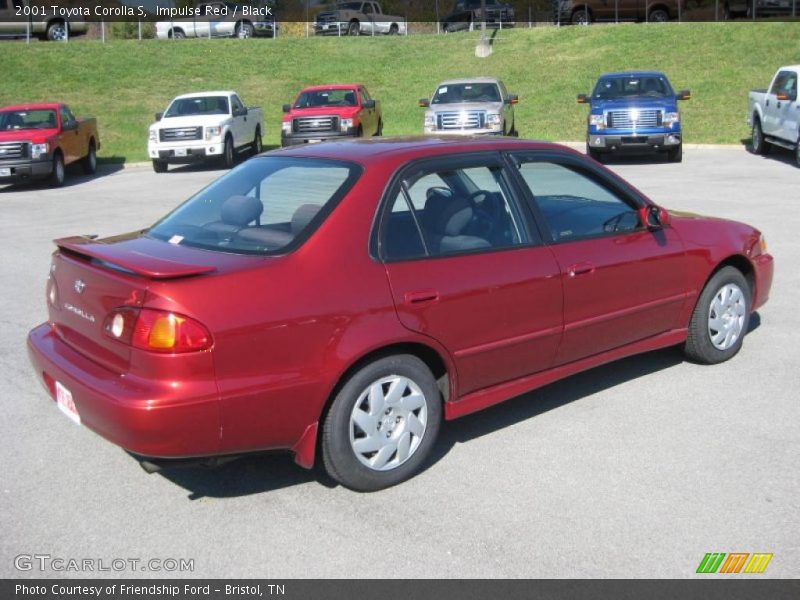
66, 404
180, 151
5, 172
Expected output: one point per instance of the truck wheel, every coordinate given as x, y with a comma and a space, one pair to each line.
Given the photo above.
354, 28
159, 166
57, 31
675, 155
394, 29
244, 30
594, 154
228, 155
758, 145
360, 132
658, 15
57, 176
178, 34
258, 146
720, 318
379, 132
382, 424
581, 16
89, 162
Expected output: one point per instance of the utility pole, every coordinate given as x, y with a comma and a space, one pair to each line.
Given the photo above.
483, 49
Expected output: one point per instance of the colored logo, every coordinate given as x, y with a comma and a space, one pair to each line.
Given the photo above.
733, 563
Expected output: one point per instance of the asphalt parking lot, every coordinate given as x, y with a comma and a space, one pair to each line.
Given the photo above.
634, 469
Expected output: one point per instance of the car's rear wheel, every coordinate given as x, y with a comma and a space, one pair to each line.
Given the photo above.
658, 15
58, 173
159, 166
720, 318
394, 29
354, 28
244, 31
382, 424
581, 16
178, 34
57, 31
89, 163
758, 145
675, 155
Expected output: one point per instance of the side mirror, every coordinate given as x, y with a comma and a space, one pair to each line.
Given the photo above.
368, 104
684, 95
424, 102
69, 126
512, 99
240, 112
782, 96
287, 108
654, 217
159, 116
583, 99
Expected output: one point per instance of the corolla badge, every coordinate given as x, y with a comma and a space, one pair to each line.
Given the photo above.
79, 286
80, 312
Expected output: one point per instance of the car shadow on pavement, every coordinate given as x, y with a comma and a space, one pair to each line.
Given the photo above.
652, 158
260, 473
74, 176
776, 153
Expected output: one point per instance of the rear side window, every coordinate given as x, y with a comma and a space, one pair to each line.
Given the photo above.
265, 206
443, 211
573, 205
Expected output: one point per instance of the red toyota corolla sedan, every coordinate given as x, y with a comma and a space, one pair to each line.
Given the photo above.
341, 300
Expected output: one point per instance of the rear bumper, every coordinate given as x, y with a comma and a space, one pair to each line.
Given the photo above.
634, 142
764, 266
26, 169
148, 418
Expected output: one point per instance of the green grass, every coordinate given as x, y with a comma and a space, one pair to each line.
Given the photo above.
123, 83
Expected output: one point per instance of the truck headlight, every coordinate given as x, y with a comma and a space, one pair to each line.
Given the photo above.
212, 132
153, 135
286, 127
37, 150
598, 121
671, 118
430, 122
493, 119
345, 124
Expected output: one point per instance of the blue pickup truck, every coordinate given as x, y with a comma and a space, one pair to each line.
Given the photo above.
634, 112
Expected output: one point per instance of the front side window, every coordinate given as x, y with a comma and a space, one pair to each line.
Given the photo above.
441, 211
262, 207
467, 92
201, 105
575, 206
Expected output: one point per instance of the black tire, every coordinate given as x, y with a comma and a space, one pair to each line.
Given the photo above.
57, 31
159, 166
379, 132
58, 175
228, 153
594, 154
758, 144
258, 146
354, 28
581, 16
338, 455
698, 346
245, 30
675, 155
658, 15
89, 162
394, 29
178, 34
360, 132
797, 152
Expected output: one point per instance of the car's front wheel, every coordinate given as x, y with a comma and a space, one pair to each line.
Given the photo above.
228, 154
159, 166
58, 174
675, 154
382, 424
720, 318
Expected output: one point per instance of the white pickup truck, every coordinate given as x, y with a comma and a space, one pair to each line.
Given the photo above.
204, 126
774, 113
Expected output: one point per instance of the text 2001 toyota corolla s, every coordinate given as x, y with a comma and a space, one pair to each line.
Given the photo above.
341, 300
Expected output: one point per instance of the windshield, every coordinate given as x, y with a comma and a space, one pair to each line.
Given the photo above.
655, 86
261, 207
12, 120
319, 98
202, 105
467, 92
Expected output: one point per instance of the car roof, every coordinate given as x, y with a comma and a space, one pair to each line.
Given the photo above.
206, 94
634, 74
398, 150
463, 80
333, 86
34, 106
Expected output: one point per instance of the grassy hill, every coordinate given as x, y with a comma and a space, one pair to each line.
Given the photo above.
124, 82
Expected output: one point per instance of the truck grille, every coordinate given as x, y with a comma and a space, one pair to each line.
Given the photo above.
326, 18
474, 119
633, 119
179, 134
14, 150
315, 124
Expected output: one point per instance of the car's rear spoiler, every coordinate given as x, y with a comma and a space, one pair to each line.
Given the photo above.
133, 261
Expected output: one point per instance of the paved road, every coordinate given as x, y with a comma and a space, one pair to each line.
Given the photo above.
635, 469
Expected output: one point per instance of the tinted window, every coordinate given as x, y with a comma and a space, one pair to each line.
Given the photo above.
11, 120
260, 207
450, 211
620, 87
466, 92
236, 104
326, 98
573, 205
201, 105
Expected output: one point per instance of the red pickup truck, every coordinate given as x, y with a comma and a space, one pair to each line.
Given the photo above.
326, 112
38, 141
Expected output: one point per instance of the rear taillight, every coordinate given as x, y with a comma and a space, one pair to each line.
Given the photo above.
156, 330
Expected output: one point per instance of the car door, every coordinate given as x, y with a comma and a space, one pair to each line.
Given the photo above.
622, 282
239, 122
771, 124
466, 269
787, 112
369, 118
70, 136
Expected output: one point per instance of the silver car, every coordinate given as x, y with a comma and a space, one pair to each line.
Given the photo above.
475, 106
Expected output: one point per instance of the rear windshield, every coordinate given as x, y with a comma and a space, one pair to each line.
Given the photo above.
265, 206
655, 86
467, 92
326, 98
11, 120
203, 105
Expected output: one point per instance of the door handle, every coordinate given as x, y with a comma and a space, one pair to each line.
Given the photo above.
766, 103
421, 297
580, 269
